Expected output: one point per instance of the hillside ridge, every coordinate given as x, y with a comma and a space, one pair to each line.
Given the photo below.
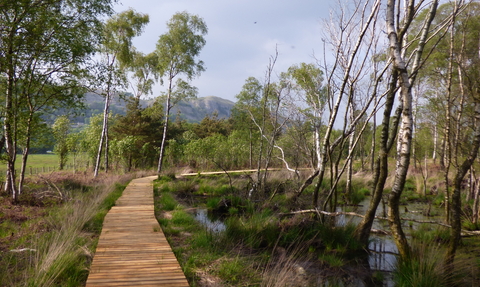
193, 110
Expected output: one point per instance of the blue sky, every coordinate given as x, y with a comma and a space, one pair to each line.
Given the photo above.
242, 36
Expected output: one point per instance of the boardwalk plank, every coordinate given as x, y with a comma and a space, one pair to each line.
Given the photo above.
132, 249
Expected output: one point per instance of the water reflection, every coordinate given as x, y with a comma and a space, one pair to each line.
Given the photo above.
210, 222
383, 251
382, 254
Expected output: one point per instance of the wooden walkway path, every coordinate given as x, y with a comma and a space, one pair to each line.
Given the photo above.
132, 249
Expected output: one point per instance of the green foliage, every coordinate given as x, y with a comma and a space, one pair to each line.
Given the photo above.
469, 225
439, 199
211, 125
60, 130
91, 136
214, 190
144, 68
133, 136
46, 51
233, 211
409, 185
204, 240
177, 51
308, 79
178, 48
409, 191
119, 32
340, 239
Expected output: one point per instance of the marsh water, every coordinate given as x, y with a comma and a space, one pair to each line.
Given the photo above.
382, 257
213, 224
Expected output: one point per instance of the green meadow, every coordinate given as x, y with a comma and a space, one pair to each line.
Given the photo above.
37, 163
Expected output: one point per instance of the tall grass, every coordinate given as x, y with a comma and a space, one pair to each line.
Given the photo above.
285, 269
257, 231
63, 252
424, 268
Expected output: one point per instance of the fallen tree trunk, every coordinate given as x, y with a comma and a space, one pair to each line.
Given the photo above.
338, 213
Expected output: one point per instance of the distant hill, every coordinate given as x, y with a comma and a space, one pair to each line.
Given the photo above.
192, 111
196, 109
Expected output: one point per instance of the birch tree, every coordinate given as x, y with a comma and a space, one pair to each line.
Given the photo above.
401, 79
117, 55
177, 53
45, 46
347, 35
307, 81
464, 59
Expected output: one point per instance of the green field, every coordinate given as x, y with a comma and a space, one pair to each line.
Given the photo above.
37, 163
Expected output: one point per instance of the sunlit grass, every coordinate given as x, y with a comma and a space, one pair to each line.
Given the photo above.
57, 250
63, 253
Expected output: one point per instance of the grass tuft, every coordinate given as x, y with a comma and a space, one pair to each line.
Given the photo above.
423, 269
167, 201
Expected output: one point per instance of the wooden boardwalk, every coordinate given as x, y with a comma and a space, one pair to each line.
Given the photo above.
132, 249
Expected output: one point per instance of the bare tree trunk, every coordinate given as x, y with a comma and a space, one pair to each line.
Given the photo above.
381, 164
476, 197
271, 103
447, 152
107, 146
405, 133
404, 141
165, 125
9, 125
103, 136
374, 140
435, 143
25, 154
456, 206
351, 139
250, 158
